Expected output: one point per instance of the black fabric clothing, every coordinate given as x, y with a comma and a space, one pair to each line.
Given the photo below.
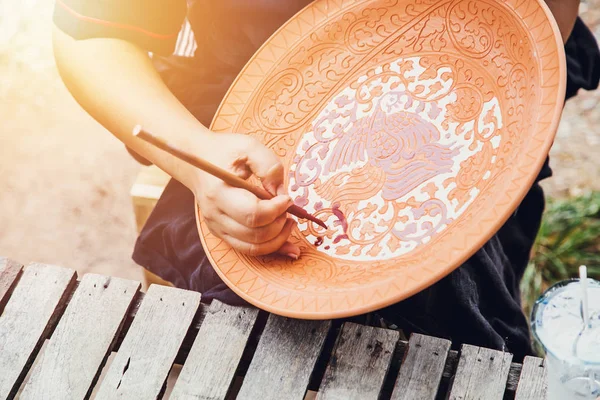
583, 63
479, 303
152, 24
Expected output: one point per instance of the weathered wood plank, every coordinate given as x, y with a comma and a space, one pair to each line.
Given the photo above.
210, 367
187, 342
30, 314
450, 370
422, 368
532, 384
359, 364
481, 374
9, 272
284, 360
69, 365
146, 355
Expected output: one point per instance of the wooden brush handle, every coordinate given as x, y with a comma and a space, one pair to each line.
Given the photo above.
230, 178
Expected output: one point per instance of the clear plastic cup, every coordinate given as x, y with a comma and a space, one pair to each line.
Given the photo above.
572, 349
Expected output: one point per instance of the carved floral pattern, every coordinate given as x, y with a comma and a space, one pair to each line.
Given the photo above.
380, 152
421, 122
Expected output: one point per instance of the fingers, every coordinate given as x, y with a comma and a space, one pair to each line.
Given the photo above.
289, 250
246, 209
260, 249
266, 165
253, 235
250, 225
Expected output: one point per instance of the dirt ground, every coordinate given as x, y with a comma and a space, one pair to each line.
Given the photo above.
64, 180
574, 156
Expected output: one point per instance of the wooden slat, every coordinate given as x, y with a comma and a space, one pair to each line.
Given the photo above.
9, 272
210, 367
146, 355
422, 368
532, 384
360, 362
452, 362
284, 359
481, 374
69, 365
189, 338
29, 316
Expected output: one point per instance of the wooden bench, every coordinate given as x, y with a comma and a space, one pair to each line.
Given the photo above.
145, 192
225, 352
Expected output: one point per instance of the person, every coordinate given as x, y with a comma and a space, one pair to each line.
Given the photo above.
101, 49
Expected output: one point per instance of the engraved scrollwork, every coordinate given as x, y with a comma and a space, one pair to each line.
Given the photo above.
276, 99
366, 30
397, 122
387, 136
469, 26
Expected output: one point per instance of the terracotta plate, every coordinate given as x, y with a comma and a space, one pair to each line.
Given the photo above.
413, 127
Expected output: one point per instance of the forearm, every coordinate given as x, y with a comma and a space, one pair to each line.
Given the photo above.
565, 13
115, 82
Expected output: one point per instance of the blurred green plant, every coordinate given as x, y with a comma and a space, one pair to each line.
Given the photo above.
569, 237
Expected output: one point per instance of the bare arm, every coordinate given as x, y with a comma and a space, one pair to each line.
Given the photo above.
116, 83
565, 13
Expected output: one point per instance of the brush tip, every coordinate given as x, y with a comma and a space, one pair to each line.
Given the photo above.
318, 221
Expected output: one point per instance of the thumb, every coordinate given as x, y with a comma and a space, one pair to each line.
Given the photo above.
266, 165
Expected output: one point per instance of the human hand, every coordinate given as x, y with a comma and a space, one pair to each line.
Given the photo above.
250, 225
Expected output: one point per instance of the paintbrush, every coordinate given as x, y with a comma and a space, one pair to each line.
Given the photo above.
226, 176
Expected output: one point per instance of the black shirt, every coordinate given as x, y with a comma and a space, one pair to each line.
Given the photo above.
478, 303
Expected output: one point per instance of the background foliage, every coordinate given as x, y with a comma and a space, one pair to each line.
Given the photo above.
569, 237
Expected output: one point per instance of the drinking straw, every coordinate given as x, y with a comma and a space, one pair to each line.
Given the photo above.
584, 295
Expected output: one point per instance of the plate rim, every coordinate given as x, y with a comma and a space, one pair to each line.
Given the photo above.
440, 273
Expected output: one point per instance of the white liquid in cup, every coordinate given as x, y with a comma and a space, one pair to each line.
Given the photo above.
572, 352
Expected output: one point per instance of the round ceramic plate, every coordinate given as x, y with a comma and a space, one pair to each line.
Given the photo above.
413, 128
